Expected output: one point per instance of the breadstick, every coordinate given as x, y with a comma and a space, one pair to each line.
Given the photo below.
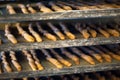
56, 31
30, 60
100, 30
31, 9
10, 9
84, 5
87, 58
75, 6
66, 31
9, 35
115, 56
52, 60
60, 59
37, 62
92, 53
35, 34
83, 31
113, 32
23, 8
65, 7
14, 61
92, 32
46, 33
104, 6
6, 65
43, 8
71, 56
55, 7
105, 56
27, 36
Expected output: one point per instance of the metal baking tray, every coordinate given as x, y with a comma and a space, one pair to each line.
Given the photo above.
46, 43
60, 43
67, 15
50, 70
79, 41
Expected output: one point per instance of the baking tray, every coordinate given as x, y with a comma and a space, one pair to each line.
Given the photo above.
59, 43
46, 43
50, 70
67, 15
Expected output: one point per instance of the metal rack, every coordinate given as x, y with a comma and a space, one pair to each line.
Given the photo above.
50, 70
68, 15
60, 43
96, 15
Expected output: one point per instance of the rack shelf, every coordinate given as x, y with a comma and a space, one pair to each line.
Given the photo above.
51, 70
67, 15
60, 43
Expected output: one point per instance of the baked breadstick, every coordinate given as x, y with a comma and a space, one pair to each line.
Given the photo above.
27, 36
52, 60
104, 6
92, 32
115, 26
30, 60
105, 56
56, 31
55, 62
35, 34
14, 61
23, 8
43, 8
100, 30
37, 62
86, 4
31, 9
9, 35
115, 56
104, 33
65, 7
55, 7
116, 6
113, 32
71, 56
75, 6
10, 9
92, 53
83, 31
6, 65
66, 31
46, 33
87, 58
60, 59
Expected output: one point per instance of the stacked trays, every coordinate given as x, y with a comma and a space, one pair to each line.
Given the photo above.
43, 39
